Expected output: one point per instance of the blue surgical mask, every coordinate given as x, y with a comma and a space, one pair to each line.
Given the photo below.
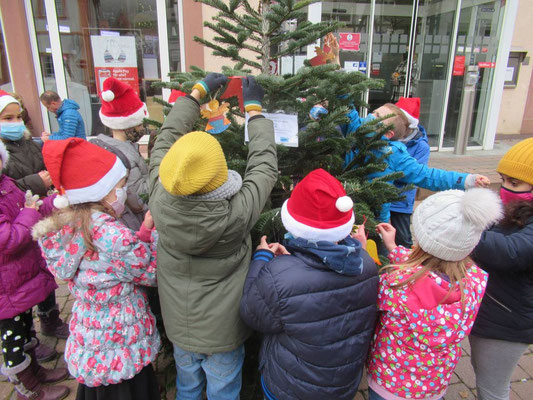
12, 130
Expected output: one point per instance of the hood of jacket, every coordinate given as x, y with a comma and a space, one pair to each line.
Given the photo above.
62, 247
68, 105
343, 257
421, 136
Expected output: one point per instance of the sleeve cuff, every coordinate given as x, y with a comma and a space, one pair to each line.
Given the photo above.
193, 99
264, 255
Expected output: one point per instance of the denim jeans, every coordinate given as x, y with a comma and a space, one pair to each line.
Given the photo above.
222, 371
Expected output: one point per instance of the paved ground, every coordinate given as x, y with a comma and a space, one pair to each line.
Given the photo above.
463, 382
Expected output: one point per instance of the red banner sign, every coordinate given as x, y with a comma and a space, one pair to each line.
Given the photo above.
349, 41
459, 66
486, 64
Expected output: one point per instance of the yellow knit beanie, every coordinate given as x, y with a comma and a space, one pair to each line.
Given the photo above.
518, 161
195, 164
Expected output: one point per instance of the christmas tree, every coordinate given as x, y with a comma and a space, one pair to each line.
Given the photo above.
249, 38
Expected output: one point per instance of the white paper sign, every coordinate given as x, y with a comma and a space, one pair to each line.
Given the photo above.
350, 66
285, 128
509, 72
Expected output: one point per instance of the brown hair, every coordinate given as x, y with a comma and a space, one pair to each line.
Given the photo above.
49, 96
400, 121
517, 214
455, 270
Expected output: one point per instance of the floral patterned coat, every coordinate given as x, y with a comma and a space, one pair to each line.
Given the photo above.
416, 346
113, 335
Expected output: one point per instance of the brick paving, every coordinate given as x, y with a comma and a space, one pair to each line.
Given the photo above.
462, 385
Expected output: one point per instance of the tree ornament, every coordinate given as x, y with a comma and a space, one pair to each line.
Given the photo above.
215, 114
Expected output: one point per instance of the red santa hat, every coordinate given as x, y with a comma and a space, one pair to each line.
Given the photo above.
5, 99
411, 108
121, 107
83, 171
318, 209
174, 95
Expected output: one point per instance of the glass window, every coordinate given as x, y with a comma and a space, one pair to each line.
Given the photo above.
173, 23
432, 52
477, 45
5, 77
107, 38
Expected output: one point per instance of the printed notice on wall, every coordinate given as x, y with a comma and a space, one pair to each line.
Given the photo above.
285, 128
115, 56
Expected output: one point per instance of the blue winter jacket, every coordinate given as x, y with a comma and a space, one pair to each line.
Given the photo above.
506, 312
317, 310
400, 160
70, 121
418, 148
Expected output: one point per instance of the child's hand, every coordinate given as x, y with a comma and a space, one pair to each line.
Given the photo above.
45, 136
209, 84
482, 181
360, 235
32, 201
148, 220
278, 249
252, 94
388, 235
45, 176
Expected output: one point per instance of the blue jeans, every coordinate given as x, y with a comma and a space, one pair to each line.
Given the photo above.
222, 371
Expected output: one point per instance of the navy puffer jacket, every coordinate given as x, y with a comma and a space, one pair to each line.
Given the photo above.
317, 310
506, 312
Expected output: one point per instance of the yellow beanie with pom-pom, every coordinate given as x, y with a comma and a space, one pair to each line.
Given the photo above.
195, 164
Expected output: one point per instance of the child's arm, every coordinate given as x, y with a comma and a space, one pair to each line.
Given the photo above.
180, 121
259, 303
262, 164
16, 234
497, 251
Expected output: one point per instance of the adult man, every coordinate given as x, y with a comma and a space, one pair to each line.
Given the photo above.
69, 119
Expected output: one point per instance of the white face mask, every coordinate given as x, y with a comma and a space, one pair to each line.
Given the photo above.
122, 194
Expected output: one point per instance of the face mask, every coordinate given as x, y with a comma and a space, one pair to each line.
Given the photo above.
509, 196
134, 135
118, 205
12, 130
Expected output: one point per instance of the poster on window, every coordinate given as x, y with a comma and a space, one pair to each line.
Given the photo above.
349, 41
115, 56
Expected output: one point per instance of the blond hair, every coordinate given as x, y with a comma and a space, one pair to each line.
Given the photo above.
455, 270
399, 121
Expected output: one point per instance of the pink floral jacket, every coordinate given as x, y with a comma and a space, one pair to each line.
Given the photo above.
416, 345
112, 330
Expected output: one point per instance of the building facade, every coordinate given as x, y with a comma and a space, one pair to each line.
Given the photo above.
456, 55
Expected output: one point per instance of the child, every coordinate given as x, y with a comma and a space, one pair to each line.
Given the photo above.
204, 213
416, 142
400, 160
504, 325
429, 298
113, 339
123, 112
25, 282
26, 167
316, 307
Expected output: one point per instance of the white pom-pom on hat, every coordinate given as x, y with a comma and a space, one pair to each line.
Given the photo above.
344, 204
61, 202
108, 95
482, 207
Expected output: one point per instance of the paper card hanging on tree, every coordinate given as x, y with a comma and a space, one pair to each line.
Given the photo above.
372, 250
216, 117
285, 128
322, 56
174, 95
234, 88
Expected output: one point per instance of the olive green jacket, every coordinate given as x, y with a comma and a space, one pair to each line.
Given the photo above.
204, 247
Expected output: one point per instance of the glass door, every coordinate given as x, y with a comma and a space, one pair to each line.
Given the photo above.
432, 52
474, 63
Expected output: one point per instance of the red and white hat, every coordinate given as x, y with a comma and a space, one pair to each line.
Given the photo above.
318, 209
121, 107
83, 171
5, 99
411, 108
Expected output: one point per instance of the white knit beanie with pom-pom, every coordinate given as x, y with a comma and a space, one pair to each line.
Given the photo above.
449, 224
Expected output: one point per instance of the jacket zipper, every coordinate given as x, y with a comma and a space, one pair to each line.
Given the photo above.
501, 304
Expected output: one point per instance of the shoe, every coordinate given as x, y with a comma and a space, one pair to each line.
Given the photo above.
29, 387
51, 324
44, 353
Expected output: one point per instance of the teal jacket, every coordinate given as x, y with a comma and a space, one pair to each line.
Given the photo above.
70, 121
